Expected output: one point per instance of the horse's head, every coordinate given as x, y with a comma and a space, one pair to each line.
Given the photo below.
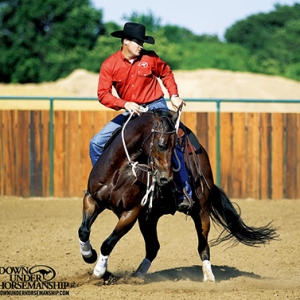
159, 145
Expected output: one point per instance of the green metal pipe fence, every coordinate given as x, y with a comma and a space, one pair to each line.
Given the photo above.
217, 102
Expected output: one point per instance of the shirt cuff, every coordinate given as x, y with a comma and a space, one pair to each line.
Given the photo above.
120, 103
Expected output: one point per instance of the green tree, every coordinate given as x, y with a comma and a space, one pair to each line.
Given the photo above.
35, 35
180, 35
151, 22
106, 46
285, 43
215, 55
272, 39
256, 31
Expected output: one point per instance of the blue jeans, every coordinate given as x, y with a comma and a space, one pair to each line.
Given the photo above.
99, 140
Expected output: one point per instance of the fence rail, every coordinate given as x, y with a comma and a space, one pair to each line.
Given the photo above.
253, 154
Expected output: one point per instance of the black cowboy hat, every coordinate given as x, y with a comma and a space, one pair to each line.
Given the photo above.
135, 31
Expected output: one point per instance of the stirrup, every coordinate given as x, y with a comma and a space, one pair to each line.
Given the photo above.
187, 203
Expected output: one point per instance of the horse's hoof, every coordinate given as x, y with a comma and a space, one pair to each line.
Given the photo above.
99, 272
91, 259
101, 266
207, 271
138, 275
211, 278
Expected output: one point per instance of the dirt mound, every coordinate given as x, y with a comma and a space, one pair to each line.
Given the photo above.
80, 83
192, 84
228, 84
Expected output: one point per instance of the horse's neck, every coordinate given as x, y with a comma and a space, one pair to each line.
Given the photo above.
136, 132
135, 135
131, 146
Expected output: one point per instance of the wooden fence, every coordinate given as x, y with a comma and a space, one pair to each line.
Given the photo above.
260, 152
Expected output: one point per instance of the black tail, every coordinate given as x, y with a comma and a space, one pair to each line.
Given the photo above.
224, 214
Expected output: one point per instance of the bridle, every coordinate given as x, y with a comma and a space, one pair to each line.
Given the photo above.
151, 135
149, 168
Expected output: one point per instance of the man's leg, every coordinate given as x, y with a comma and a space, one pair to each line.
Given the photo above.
159, 104
185, 201
98, 142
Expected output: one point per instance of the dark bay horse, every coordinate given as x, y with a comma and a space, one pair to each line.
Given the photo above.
134, 179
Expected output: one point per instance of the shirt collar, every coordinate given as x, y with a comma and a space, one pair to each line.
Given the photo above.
125, 59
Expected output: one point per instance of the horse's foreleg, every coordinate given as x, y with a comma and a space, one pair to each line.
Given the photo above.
90, 212
202, 225
125, 223
148, 229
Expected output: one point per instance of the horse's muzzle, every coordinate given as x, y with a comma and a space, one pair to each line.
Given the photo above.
163, 179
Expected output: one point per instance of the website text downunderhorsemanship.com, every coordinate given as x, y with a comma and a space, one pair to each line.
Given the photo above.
35, 280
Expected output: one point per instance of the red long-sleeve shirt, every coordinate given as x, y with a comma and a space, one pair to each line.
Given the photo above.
134, 82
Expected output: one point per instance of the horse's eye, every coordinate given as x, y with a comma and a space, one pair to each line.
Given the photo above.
162, 147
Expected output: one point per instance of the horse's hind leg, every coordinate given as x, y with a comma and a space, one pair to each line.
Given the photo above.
89, 214
202, 225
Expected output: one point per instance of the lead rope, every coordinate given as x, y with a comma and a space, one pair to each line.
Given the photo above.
178, 162
133, 168
131, 163
123, 139
148, 191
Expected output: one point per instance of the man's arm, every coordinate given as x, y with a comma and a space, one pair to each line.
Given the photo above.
105, 83
168, 80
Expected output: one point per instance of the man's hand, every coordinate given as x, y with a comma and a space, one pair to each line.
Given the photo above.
132, 107
176, 101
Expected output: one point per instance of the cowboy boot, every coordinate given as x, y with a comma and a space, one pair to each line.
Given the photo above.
185, 203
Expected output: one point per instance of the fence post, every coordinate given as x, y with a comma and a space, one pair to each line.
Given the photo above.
51, 146
218, 144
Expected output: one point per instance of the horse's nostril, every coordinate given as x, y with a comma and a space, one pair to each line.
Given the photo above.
163, 181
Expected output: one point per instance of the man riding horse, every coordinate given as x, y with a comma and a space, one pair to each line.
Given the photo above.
133, 72
150, 139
